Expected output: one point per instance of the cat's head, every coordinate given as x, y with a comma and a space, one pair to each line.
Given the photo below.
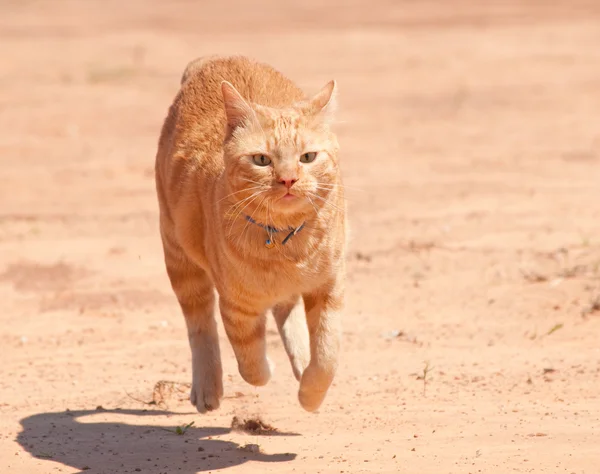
280, 161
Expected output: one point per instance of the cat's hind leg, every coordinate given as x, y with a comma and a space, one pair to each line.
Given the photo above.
291, 323
194, 290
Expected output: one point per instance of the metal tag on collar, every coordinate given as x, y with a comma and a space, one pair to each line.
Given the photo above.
269, 242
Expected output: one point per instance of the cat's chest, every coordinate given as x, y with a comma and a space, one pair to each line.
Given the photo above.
275, 279
285, 276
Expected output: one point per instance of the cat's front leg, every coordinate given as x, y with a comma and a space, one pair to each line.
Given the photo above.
245, 328
291, 323
323, 315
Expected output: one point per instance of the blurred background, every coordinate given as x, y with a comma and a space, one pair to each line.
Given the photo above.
471, 150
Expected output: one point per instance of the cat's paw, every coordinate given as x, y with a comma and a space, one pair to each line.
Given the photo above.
258, 375
313, 387
206, 395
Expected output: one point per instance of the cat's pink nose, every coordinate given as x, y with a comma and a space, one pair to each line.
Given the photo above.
287, 182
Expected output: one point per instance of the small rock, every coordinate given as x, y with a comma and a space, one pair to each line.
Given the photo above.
250, 448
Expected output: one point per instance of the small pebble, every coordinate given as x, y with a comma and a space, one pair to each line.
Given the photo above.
251, 448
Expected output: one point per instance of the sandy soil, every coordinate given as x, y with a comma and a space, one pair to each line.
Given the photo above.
471, 143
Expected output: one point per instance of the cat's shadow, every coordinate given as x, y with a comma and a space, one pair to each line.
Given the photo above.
76, 439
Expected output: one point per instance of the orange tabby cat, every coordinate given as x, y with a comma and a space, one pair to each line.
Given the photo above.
251, 204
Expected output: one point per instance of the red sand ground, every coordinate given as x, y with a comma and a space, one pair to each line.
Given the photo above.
471, 142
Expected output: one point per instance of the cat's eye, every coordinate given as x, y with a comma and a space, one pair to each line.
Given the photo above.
261, 160
308, 157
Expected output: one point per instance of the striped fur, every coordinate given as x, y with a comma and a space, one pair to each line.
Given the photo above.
228, 110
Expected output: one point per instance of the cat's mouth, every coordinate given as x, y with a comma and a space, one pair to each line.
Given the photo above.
288, 194
290, 199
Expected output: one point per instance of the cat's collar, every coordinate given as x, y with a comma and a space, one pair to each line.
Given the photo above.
273, 230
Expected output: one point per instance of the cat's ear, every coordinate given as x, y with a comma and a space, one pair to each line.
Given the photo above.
237, 110
323, 103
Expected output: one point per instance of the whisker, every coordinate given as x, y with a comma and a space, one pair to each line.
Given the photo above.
237, 192
343, 186
269, 220
248, 221
254, 182
329, 189
316, 231
240, 206
255, 197
235, 206
312, 203
327, 201
312, 227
